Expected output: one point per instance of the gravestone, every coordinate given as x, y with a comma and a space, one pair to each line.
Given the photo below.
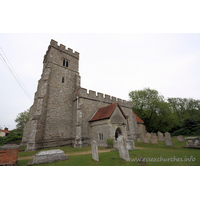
48, 157
130, 145
123, 151
154, 140
139, 140
159, 134
167, 136
161, 138
146, 140
180, 138
169, 143
94, 147
148, 135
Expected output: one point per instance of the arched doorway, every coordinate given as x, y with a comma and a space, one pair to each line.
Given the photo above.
117, 133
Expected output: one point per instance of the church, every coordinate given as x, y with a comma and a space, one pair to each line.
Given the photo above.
64, 113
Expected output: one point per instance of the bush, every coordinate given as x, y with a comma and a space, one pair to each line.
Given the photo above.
110, 142
11, 138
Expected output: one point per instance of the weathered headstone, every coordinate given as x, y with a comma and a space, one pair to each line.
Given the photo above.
167, 136
146, 140
139, 140
148, 135
94, 147
159, 134
123, 151
169, 143
160, 137
180, 138
130, 145
154, 140
48, 157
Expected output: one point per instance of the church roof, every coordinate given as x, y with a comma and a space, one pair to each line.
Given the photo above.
106, 112
139, 121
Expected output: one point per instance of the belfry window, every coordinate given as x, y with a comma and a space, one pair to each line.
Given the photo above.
65, 63
63, 79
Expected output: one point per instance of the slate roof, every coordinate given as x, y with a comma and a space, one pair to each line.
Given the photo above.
139, 121
106, 112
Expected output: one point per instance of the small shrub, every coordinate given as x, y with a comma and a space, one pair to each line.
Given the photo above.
110, 142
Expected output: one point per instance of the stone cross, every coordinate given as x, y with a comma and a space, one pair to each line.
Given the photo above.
94, 147
123, 151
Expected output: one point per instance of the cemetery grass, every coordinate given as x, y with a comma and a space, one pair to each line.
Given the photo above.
147, 151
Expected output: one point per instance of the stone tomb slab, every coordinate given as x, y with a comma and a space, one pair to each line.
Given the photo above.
48, 156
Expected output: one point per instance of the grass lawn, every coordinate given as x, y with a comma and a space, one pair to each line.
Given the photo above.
157, 153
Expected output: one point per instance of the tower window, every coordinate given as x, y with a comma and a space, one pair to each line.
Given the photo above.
66, 63
63, 62
63, 79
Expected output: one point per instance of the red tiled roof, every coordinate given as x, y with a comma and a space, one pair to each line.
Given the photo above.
4, 131
138, 119
106, 112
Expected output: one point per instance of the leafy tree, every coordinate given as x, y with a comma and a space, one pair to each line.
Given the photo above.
21, 120
152, 108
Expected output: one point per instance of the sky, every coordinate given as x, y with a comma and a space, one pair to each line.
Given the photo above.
110, 63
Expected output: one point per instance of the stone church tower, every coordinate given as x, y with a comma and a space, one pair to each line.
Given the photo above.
51, 116
62, 111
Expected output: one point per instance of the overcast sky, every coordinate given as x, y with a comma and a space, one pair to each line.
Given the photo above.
113, 64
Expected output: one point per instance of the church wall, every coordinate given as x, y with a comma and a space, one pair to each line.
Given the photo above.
90, 103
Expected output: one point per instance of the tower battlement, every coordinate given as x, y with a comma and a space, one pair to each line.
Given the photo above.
62, 48
97, 96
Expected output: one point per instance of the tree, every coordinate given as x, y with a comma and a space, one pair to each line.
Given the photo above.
152, 108
21, 119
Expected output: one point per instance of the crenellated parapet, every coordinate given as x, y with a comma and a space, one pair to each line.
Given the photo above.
96, 96
62, 48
